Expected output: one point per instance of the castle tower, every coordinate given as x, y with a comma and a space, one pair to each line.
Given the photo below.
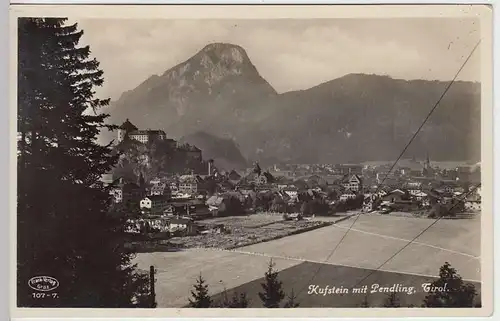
124, 129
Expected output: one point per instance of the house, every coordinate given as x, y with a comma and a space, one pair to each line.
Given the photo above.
280, 172
414, 185
368, 204
474, 194
352, 183
124, 191
314, 180
169, 210
245, 189
147, 225
160, 189
190, 184
472, 205
226, 186
395, 196
179, 223
333, 179
214, 203
155, 204
291, 191
425, 202
347, 196
117, 194
233, 176
349, 169
183, 225
260, 179
155, 180
392, 183
418, 195
174, 187
282, 186
198, 210
384, 177
405, 171
449, 186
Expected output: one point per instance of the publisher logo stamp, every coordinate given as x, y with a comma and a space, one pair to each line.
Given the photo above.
43, 283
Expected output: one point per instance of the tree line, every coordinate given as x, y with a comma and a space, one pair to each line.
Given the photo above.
458, 295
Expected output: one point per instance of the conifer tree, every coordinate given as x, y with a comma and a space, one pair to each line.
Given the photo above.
200, 299
64, 227
392, 301
291, 301
456, 293
273, 293
239, 300
365, 303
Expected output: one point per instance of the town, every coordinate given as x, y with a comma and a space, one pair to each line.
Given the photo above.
212, 166
183, 205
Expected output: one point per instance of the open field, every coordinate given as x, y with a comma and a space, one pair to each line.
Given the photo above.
372, 240
243, 231
250, 221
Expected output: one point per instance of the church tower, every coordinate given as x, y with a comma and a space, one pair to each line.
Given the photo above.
427, 166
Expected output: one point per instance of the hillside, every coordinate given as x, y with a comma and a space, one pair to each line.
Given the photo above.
153, 159
354, 118
205, 93
224, 152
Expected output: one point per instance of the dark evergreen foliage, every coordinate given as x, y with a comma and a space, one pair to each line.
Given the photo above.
237, 301
64, 228
231, 206
456, 294
291, 301
273, 293
365, 303
392, 301
200, 297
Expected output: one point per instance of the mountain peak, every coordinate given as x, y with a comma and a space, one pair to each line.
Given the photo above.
225, 52
221, 46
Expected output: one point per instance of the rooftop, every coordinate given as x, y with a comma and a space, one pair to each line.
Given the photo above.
128, 126
147, 132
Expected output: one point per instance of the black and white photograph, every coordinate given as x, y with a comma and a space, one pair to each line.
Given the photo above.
291, 162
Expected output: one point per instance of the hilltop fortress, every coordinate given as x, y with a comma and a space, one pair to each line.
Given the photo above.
127, 129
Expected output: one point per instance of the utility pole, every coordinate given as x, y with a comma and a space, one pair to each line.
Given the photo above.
152, 286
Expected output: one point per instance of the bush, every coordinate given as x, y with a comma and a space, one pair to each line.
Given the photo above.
457, 293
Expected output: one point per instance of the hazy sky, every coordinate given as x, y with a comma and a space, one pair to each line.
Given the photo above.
289, 54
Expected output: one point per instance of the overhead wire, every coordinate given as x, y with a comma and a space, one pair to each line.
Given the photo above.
399, 157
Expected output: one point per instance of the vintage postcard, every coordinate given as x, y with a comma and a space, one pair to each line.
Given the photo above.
250, 160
